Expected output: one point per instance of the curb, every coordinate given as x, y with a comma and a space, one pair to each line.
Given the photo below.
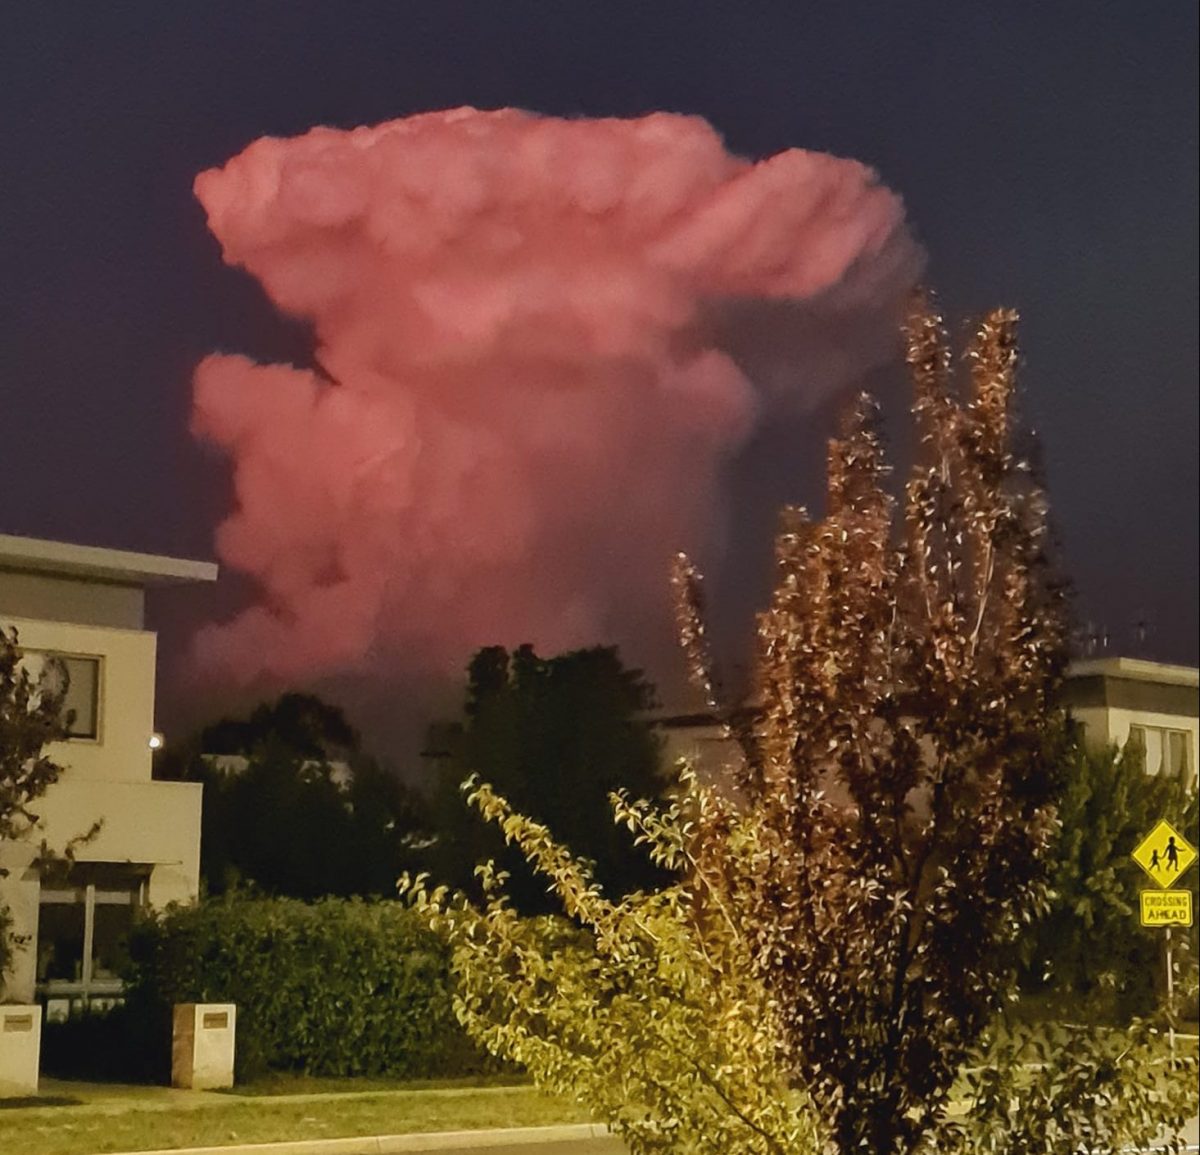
401, 1144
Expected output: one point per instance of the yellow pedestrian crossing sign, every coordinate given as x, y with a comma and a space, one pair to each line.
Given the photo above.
1164, 854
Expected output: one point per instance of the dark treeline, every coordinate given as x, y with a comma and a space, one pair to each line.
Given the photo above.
294, 806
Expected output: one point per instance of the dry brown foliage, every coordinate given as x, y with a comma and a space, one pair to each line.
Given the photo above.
901, 752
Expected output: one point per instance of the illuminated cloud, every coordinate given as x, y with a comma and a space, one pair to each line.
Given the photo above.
533, 369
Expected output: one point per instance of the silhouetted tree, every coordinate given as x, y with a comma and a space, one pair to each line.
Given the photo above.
293, 805
557, 736
302, 723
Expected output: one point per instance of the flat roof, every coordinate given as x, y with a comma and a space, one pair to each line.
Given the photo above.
1136, 670
90, 562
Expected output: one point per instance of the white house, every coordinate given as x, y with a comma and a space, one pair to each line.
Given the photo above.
1152, 705
85, 605
1116, 700
700, 740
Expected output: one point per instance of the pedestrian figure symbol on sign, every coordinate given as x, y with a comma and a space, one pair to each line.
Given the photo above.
1172, 855
1154, 862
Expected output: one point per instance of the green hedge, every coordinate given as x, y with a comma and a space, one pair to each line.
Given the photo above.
335, 987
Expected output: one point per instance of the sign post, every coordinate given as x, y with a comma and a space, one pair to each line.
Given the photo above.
1170, 996
1165, 855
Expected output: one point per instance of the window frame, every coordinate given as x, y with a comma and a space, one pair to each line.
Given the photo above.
1137, 739
96, 738
65, 891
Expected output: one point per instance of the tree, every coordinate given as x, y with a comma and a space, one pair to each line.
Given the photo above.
1089, 945
556, 736
646, 1010
302, 723
876, 852
902, 766
303, 812
31, 717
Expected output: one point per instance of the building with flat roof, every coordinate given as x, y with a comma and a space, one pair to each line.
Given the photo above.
1152, 705
85, 606
1114, 700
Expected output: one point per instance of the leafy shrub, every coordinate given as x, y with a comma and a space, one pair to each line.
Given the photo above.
1088, 957
336, 987
1065, 1089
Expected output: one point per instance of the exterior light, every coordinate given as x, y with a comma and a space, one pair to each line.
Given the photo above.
156, 741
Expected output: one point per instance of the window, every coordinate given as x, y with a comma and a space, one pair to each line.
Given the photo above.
1163, 751
82, 701
1176, 763
84, 920
1146, 742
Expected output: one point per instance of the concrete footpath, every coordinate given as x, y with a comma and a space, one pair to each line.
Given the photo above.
564, 1139
567, 1139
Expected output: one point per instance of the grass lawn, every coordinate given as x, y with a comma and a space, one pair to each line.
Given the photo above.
286, 1083
87, 1119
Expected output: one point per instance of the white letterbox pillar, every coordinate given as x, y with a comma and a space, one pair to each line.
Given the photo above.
20, 1050
202, 1045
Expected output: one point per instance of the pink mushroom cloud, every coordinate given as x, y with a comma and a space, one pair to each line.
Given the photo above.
523, 399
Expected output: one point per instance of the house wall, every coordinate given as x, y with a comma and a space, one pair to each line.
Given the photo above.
121, 751
151, 824
20, 891
1109, 725
45, 597
156, 824
702, 743
1109, 695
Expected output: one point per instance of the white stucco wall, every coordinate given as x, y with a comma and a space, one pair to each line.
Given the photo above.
706, 747
106, 779
121, 750
156, 824
19, 894
1109, 725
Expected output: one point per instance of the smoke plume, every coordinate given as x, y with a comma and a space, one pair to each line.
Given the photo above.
539, 345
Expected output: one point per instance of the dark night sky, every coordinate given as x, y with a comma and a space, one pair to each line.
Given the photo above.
1047, 154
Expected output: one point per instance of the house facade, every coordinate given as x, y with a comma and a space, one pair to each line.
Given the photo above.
701, 741
1154, 706
133, 842
1115, 701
